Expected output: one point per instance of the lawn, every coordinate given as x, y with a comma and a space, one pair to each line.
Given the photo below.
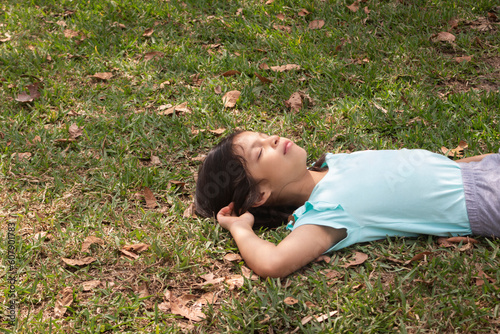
108, 108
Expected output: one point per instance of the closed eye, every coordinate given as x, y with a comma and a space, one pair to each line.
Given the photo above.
260, 154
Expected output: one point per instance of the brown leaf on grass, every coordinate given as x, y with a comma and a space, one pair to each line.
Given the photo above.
6, 39
303, 12
418, 257
366, 10
283, 68
234, 281
136, 248
287, 29
332, 274
148, 32
249, 274
455, 152
218, 131
75, 131
380, 108
280, 17
89, 241
190, 212
231, 257
462, 239
263, 66
443, 242
21, 156
263, 79
143, 290
316, 24
207, 298
153, 55
64, 300
79, 262
443, 36
155, 161
268, 2
319, 318
44, 235
481, 277
180, 108
131, 251
359, 61
33, 93
90, 285
359, 258
294, 102
193, 314
217, 89
149, 198
231, 73
68, 33
481, 24
102, 76
354, 7
210, 280
290, 301
230, 98
463, 59
453, 23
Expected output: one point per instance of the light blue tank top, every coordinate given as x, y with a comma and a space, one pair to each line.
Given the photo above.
375, 194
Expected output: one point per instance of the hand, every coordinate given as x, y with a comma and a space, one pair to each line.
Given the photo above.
228, 219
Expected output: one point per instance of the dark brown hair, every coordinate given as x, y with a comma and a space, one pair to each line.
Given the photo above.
222, 179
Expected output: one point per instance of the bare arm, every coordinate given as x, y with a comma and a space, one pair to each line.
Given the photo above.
302, 246
474, 158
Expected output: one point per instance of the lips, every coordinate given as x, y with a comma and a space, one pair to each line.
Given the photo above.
288, 145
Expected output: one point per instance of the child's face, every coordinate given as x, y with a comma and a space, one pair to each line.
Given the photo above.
276, 160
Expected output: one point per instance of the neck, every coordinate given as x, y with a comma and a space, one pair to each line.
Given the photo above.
298, 193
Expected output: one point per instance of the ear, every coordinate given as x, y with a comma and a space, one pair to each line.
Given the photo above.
264, 194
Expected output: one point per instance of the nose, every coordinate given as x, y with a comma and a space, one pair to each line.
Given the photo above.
274, 141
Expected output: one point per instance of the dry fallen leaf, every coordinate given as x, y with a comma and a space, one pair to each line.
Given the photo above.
79, 262
463, 59
233, 257
354, 7
103, 76
230, 73
90, 285
68, 33
150, 198
230, 98
462, 239
263, 79
303, 12
180, 108
234, 281
316, 24
64, 300
249, 274
418, 257
89, 241
284, 68
359, 258
294, 102
218, 89
153, 55
443, 36
21, 156
290, 301
320, 318
148, 32
263, 66
455, 152
280, 17
136, 248
6, 39
33, 93
75, 131
190, 212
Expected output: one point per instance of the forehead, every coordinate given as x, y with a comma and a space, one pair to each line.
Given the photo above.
246, 140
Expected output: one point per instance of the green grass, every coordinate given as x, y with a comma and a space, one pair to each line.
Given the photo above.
92, 186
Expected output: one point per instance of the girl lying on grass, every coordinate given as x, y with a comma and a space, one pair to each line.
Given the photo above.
251, 180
